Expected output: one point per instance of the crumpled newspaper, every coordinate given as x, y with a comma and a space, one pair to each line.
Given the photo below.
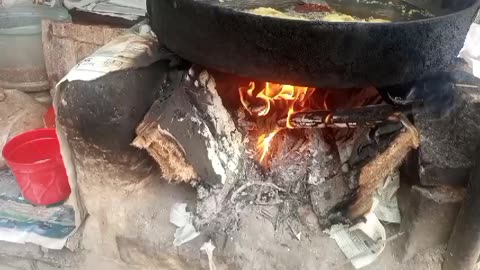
361, 243
179, 217
385, 202
471, 49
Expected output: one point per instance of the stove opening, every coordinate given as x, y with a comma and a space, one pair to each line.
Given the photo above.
245, 142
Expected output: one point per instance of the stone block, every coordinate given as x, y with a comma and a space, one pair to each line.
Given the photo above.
429, 217
448, 143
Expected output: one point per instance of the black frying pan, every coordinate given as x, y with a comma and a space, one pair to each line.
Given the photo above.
315, 53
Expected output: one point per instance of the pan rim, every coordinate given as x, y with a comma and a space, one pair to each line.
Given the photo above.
227, 11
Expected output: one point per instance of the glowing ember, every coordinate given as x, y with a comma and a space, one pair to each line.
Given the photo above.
273, 102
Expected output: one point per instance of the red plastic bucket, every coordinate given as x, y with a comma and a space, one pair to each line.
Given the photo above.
37, 164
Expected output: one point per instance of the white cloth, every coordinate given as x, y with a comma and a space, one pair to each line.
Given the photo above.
471, 49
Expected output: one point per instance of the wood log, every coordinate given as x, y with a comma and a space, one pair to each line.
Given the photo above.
374, 173
166, 151
190, 133
193, 138
329, 188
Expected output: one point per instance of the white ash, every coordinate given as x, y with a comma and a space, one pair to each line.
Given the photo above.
225, 153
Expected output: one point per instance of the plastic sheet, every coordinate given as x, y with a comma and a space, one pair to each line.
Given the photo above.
21, 222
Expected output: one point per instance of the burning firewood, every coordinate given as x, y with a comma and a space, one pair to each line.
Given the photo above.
293, 152
345, 118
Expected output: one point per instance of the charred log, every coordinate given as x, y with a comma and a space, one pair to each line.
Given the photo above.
329, 188
373, 174
190, 133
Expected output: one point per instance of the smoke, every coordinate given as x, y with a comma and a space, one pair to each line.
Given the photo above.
436, 93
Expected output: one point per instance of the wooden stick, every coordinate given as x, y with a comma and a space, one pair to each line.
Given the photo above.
467, 85
346, 118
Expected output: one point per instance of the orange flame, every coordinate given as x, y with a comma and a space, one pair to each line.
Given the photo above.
264, 143
284, 100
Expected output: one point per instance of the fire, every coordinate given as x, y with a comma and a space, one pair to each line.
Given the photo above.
274, 101
264, 142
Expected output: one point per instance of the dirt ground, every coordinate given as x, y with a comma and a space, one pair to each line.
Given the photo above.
291, 254
256, 245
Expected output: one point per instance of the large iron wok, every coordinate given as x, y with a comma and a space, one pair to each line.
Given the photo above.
223, 36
